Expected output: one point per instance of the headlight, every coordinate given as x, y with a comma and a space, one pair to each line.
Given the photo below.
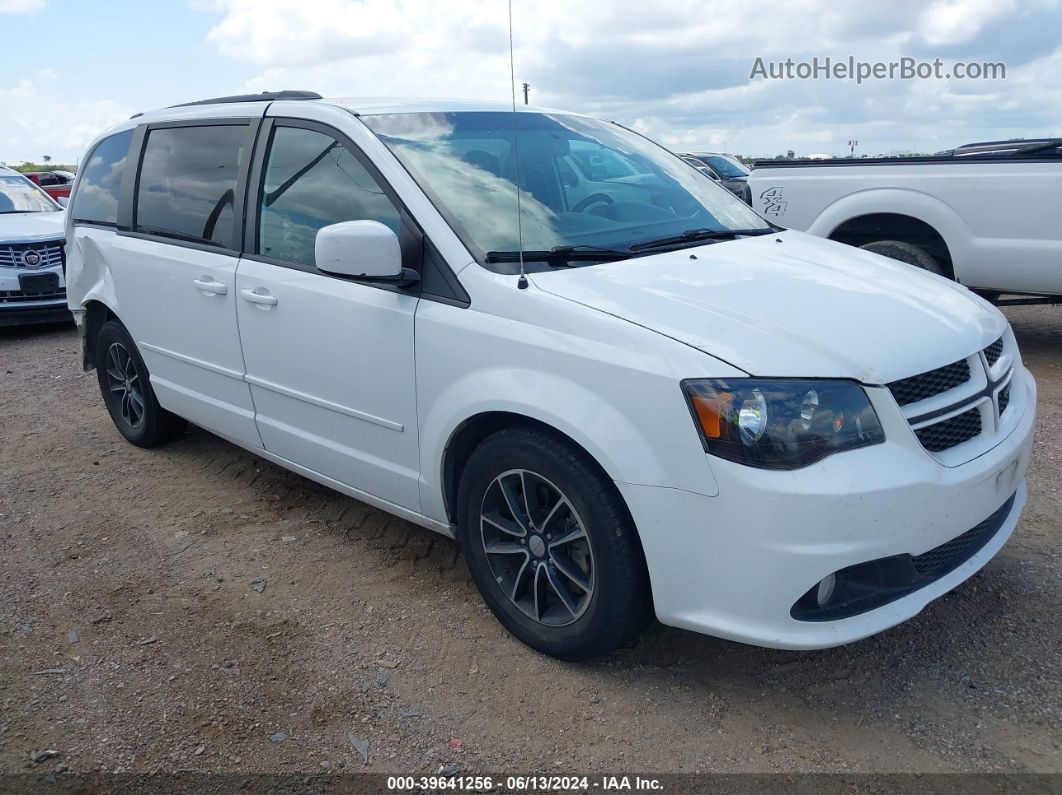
781, 423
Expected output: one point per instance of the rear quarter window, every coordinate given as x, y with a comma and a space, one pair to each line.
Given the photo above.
96, 198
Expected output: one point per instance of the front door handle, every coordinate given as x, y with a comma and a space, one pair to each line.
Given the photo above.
259, 298
210, 286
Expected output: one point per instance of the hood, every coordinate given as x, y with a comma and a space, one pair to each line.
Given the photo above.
791, 305
28, 227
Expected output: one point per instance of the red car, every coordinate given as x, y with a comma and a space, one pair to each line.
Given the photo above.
55, 183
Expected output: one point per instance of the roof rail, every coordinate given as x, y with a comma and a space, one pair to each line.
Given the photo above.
265, 96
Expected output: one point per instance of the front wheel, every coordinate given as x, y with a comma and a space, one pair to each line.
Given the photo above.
551, 546
127, 393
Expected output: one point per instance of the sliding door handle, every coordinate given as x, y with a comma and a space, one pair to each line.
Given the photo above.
210, 287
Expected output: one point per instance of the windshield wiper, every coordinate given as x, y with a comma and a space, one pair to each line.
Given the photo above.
559, 256
695, 235
18, 212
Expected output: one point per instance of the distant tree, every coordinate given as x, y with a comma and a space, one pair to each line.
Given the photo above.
47, 159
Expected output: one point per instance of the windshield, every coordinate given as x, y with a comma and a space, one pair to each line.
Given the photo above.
19, 195
725, 166
585, 183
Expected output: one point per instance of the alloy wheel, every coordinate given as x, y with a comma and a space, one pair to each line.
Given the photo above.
537, 547
123, 381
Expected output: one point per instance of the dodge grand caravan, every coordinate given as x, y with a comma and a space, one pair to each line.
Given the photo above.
642, 399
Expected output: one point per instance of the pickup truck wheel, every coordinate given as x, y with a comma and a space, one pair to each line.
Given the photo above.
906, 252
551, 546
127, 393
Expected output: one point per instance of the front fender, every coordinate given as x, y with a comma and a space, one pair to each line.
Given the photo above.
629, 451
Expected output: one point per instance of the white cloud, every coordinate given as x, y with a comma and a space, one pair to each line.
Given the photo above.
37, 118
955, 21
680, 70
21, 6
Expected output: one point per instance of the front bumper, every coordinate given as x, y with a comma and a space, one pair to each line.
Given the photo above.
735, 564
29, 312
17, 308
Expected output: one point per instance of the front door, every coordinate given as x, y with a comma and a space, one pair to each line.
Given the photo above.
329, 360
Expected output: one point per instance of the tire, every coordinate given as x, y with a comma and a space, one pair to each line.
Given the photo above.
593, 590
126, 389
906, 252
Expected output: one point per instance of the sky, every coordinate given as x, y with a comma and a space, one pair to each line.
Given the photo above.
678, 71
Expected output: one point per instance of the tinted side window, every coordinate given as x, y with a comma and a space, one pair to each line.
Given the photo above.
311, 181
96, 199
187, 187
49, 179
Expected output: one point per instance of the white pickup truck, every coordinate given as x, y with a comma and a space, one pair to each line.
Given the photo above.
987, 215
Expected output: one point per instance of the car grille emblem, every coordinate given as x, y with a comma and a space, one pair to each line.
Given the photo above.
32, 259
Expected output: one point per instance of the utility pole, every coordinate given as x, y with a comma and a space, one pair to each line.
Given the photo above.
527, 88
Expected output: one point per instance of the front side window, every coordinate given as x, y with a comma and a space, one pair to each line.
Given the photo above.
19, 195
312, 181
583, 183
188, 181
96, 198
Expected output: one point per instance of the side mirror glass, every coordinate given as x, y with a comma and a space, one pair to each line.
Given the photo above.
366, 249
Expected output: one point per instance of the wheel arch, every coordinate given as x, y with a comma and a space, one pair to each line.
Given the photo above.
899, 210
96, 314
873, 227
476, 428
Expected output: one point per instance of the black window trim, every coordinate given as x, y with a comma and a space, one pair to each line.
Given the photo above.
76, 182
127, 226
256, 185
416, 247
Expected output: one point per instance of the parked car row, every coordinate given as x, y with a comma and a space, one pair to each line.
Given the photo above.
726, 169
32, 253
56, 184
620, 388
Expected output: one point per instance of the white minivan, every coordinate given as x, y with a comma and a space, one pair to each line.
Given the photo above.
619, 388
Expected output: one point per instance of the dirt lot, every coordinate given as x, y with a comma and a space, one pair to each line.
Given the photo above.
135, 634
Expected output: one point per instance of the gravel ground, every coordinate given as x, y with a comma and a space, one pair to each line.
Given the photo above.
196, 608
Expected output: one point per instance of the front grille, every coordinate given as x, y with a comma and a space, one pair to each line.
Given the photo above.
926, 385
951, 432
1004, 399
16, 297
51, 254
938, 561
994, 351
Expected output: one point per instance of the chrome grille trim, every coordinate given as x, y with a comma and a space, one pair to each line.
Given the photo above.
51, 253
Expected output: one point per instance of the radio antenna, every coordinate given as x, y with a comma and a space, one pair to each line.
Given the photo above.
522, 283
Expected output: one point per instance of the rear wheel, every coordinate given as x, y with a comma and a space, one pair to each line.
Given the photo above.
127, 393
550, 546
906, 252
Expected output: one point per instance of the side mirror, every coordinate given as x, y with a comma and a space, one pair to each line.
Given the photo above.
64, 201
709, 173
362, 249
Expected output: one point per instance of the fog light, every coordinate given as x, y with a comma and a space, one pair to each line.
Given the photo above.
825, 589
